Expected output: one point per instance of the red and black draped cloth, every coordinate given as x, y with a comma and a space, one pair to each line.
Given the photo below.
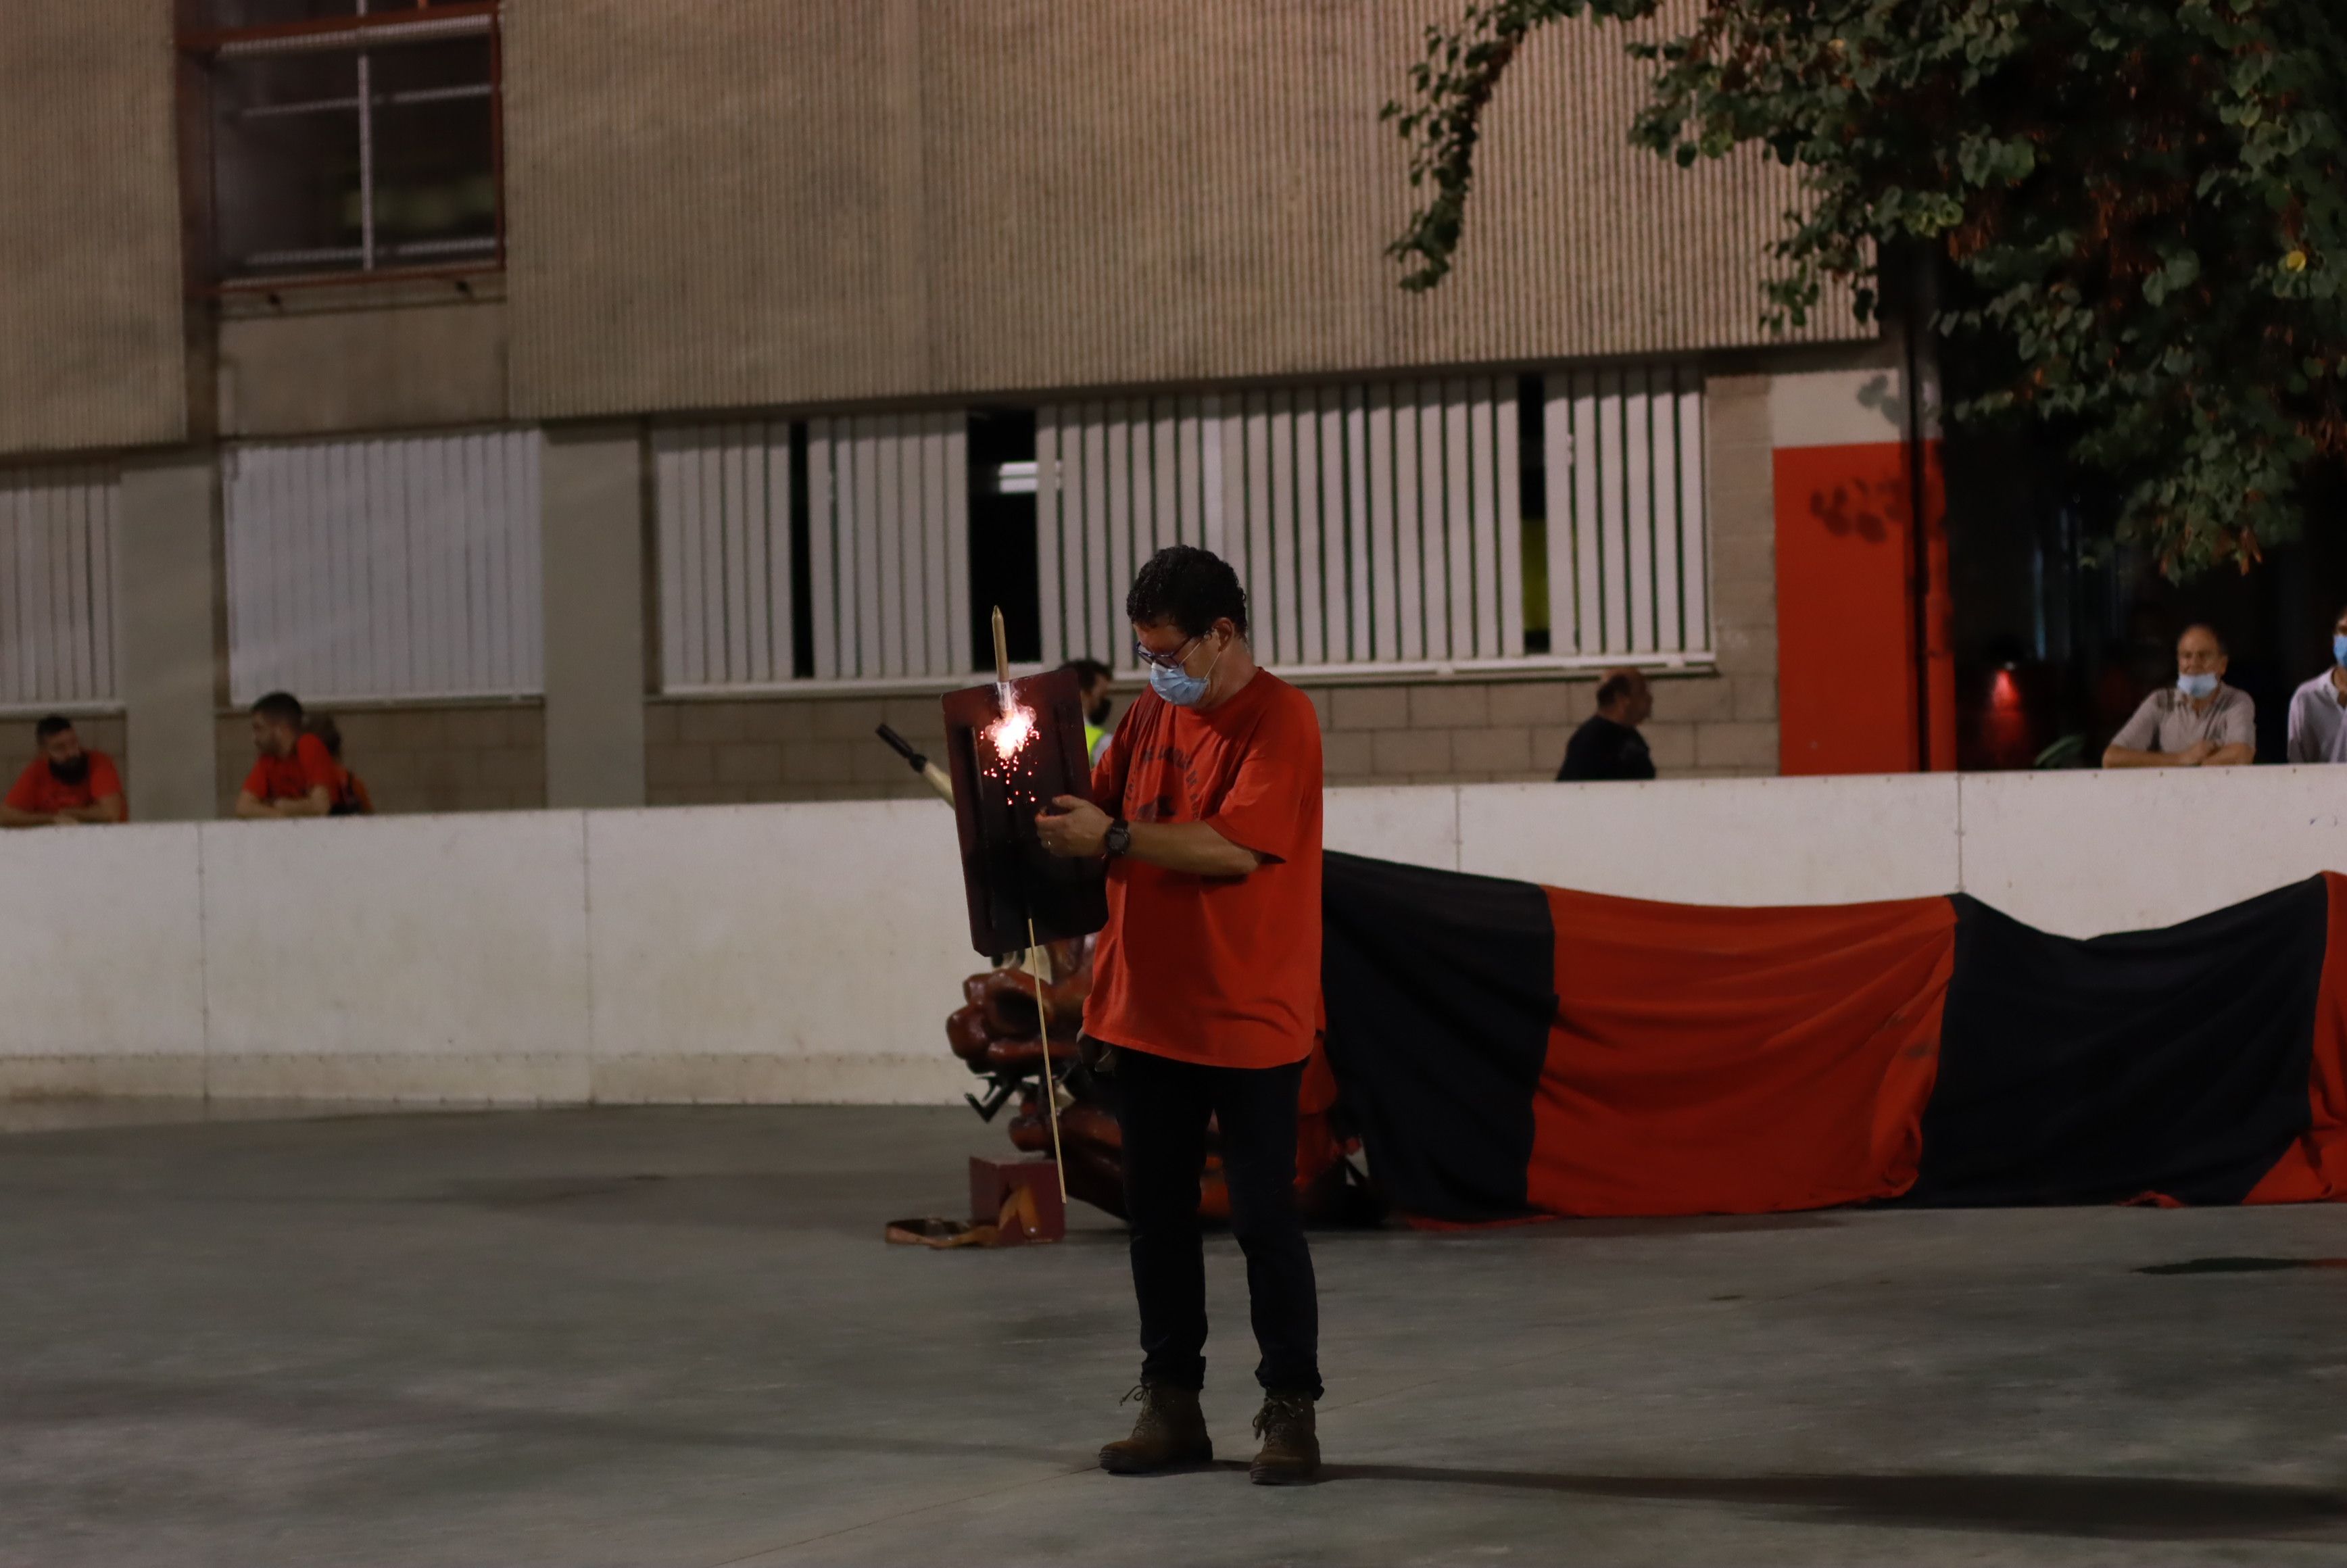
1509, 1051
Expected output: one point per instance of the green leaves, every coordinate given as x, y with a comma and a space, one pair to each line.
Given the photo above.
1984, 161
2148, 198
2178, 268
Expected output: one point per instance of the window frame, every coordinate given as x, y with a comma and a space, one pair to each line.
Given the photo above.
199, 50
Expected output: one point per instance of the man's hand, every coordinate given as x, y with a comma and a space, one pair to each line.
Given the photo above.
1078, 833
2199, 752
67, 819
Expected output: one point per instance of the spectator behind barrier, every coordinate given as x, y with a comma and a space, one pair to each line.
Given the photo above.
2199, 722
350, 796
1609, 746
1092, 679
2316, 734
63, 785
295, 775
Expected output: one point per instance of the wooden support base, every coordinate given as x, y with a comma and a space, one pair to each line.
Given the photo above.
1019, 1196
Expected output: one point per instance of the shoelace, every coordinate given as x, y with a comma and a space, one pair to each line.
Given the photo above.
1277, 1410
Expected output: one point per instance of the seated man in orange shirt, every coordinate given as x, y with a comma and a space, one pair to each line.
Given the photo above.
65, 784
295, 776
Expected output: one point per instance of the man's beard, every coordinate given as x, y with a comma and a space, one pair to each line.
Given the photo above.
1098, 713
71, 773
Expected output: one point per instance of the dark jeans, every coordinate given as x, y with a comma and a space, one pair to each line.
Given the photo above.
1162, 1107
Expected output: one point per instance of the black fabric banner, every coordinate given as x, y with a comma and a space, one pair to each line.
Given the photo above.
2176, 1062
1440, 999
2172, 1061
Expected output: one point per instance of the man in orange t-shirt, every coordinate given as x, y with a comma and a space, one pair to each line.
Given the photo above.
65, 785
1205, 994
295, 775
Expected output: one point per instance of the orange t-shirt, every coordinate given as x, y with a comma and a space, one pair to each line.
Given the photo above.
39, 790
294, 777
1220, 970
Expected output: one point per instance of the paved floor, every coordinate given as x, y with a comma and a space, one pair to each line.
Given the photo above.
673, 1337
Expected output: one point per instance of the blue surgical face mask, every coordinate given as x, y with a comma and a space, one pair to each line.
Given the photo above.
2197, 686
2338, 647
1180, 687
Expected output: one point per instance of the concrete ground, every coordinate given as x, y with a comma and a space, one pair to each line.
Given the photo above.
673, 1337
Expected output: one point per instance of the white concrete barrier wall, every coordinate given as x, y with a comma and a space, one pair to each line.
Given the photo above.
765, 953
1721, 840
396, 957
2084, 852
812, 952
101, 961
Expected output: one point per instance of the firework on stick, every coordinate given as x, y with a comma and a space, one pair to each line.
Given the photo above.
1014, 723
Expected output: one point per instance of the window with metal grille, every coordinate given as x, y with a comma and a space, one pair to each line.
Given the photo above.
348, 138
1388, 527
872, 584
404, 568
1401, 528
723, 500
56, 587
1624, 514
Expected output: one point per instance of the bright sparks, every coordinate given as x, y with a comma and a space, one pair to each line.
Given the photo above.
1009, 734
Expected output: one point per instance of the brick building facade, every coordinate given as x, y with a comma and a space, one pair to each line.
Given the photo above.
737, 253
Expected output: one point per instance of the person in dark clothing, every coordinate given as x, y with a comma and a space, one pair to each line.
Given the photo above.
1609, 745
352, 799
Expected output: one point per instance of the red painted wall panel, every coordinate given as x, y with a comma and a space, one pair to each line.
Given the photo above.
1846, 655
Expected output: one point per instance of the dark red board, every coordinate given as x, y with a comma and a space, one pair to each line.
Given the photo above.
1006, 872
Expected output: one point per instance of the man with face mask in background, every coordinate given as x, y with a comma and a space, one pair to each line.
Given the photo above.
65, 785
2316, 734
1205, 996
2199, 722
1093, 680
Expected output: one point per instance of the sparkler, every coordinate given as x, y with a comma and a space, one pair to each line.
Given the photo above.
1009, 734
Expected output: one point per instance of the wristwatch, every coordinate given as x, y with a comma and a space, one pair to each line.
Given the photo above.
1118, 839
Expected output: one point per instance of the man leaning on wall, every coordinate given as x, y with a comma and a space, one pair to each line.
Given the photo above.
293, 775
2316, 709
1608, 745
2198, 723
65, 785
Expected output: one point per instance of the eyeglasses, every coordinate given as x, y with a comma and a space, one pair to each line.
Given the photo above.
1165, 660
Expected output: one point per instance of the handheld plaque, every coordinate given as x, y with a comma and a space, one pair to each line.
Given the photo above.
1012, 747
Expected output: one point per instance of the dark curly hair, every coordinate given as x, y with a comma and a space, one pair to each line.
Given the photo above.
281, 707
1189, 586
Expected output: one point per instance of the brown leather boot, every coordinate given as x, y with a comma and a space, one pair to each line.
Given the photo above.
1291, 1448
1169, 1431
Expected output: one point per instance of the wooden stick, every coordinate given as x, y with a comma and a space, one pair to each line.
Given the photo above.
1002, 650
1035, 961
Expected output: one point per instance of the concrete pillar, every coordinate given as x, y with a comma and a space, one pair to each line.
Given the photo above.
591, 526
166, 624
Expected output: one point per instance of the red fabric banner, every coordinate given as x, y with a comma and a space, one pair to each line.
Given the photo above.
1781, 1056
2314, 1168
